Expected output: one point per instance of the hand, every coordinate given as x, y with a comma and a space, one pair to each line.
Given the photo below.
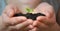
48, 22
10, 23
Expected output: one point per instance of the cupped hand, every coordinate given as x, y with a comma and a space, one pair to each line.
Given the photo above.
10, 23
47, 22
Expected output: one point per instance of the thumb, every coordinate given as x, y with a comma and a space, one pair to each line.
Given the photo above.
10, 10
45, 8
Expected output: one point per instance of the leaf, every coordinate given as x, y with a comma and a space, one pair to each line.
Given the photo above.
29, 10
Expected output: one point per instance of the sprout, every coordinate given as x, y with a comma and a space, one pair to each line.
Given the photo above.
29, 10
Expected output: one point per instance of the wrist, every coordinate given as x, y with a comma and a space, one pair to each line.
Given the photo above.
56, 27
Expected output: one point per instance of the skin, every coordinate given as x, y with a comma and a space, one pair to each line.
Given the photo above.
21, 23
10, 23
48, 22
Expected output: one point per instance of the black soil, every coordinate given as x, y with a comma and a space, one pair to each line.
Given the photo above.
30, 15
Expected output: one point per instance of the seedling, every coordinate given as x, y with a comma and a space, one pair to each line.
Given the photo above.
29, 10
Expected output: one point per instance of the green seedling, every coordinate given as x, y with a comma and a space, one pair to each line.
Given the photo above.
29, 10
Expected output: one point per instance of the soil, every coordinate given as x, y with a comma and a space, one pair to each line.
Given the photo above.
30, 15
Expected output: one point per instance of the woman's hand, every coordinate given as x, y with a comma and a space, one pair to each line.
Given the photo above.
10, 23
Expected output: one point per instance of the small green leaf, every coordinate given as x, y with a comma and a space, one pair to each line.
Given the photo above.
29, 10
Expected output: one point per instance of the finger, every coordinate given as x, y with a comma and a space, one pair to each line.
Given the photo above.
10, 10
24, 24
30, 26
16, 20
34, 29
45, 20
35, 23
45, 8
40, 18
41, 25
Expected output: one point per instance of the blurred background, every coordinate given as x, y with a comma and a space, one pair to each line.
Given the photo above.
2, 6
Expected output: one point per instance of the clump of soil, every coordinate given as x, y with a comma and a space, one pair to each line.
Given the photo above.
30, 15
